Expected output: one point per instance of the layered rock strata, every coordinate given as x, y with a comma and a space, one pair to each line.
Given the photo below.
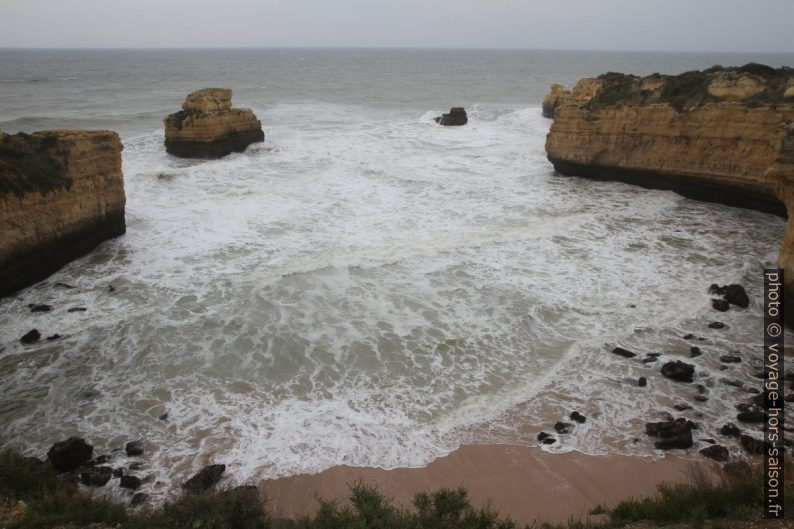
208, 126
723, 135
61, 194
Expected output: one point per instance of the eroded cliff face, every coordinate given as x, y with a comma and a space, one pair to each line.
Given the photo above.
208, 126
61, 194
723, 135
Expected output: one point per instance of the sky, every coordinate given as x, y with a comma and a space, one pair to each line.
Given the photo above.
642, 25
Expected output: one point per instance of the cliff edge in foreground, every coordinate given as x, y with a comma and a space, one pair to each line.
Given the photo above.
208, 126
61, 194
723, 135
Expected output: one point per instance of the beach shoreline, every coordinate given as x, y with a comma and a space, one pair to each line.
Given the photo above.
522, 482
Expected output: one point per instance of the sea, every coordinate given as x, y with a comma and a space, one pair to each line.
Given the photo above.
366, 287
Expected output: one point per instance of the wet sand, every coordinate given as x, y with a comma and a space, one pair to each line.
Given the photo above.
523, 482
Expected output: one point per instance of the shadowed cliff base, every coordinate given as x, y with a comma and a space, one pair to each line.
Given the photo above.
61, 194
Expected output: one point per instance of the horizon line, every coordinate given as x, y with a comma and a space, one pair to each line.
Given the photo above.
450, 48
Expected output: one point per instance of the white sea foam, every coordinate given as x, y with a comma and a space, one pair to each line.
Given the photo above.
369, 288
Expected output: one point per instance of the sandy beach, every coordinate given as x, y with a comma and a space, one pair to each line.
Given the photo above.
522, 482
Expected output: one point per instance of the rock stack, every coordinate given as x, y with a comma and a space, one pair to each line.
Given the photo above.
455, 118
208, 126
61, 194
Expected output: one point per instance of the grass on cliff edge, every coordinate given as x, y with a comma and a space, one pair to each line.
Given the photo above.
25, 165
51, 501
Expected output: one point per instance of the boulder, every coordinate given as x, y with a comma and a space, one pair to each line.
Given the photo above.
130, 482
716, 325
208, 126
642, 382
625, 353
752, 445
578, 417
694, 352
674, 433
730, 359
68, 455
720, 305
678, 371
715, 452
31, 336
563, 427
96, 476
134, 448
205, 479
455, 118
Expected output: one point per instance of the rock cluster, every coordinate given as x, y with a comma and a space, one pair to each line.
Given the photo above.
61, 194
208, 126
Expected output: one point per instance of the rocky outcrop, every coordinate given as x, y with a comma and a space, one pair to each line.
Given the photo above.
208, 126
454, 118
722, 135
61, 194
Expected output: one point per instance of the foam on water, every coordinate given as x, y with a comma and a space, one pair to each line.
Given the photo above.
369, 288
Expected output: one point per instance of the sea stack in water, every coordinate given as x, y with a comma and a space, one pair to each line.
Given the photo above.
455, 118
208, 126
721, 135
61, 194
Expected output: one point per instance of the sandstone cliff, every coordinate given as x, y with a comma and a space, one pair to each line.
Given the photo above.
208, 126
722, 135
61, 194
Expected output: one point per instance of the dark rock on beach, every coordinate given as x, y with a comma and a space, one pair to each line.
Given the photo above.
130, 482
682, 407
752, 445
674, 433
678, 371
549, 441
32, 336
563, 427
40, 308
578, 417
716, 325
694, 352
716, 452
68, 455
751, 414
642, 382
77, 309
623, 352
543, 435
720, 305
96, 476
736, 295
730, 359
205, 479
455, 118
134, 448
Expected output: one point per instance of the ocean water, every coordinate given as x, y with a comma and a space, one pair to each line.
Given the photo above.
366, 287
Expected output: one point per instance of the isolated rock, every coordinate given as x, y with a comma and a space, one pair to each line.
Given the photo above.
578, 417
694, 352
208, 126
32, 336
68, 455
642, 382
716, 325
678, 371
77, 309
715, 452
623, 352
751, 414
736, 295
730, 359
40, 308
205, 479
455, 118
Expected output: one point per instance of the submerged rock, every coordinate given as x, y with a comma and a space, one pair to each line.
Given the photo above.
674, 433
205, 479
208, 126
455, 118
563, 427
130, 482
68, 455
40, 308
720, 305
678, 371
96, 476
730, 430
578, 417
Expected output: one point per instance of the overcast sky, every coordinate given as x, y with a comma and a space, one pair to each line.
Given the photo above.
685, 25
